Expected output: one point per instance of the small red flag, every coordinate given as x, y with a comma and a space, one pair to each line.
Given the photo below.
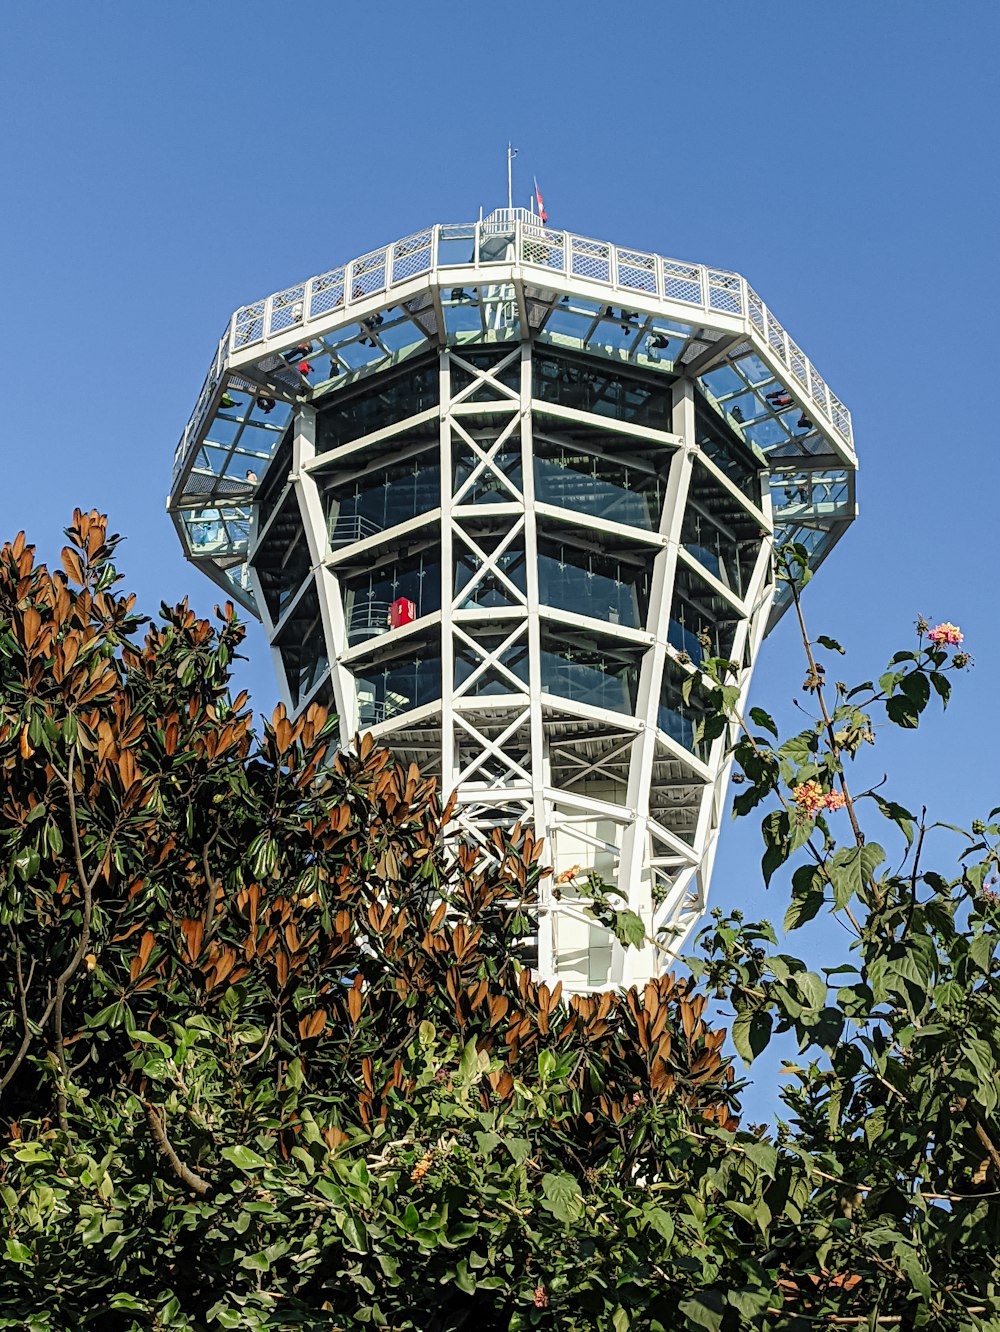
541, 206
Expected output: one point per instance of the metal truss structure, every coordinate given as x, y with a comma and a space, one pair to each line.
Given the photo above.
495, 491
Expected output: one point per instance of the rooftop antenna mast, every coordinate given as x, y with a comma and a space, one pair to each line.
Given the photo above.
511, 154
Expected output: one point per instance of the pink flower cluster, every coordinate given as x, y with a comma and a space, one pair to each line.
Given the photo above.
946, 635
811, 797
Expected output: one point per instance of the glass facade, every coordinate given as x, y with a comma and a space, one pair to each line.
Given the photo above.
595, 669
603, 389
720, 443
611, 588
406, 676
369, 593
678, 718
364, 504
302, 646
702, 623
374, 404
600, 474
282, 558
719, 532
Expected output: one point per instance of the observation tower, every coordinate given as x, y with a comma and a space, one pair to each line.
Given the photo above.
494, 491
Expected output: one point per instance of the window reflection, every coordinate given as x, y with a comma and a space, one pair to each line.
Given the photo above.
678, 718
702, 623
605, 390
398, 684
380, 498
302, 646
591, 669
719, 532
369, 595
601, 485
377, 403
609, 588
729, 454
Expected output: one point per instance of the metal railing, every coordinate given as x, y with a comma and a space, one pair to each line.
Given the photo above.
704, 290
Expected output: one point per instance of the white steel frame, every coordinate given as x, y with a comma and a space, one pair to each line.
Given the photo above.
601, 785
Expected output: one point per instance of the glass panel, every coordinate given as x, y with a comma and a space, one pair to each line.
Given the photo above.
599, 671
599, 483
397, 686
282, 559
375, 404
380, 498
606, 390
490, 590
610, 588
303, 646
369, 595
678, 718
728, 453
490, 680
719, 532
702, 623
488, 487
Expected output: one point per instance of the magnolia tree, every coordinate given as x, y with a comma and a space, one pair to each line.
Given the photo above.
269, 1058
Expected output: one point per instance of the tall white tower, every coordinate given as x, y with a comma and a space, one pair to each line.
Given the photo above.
494, 491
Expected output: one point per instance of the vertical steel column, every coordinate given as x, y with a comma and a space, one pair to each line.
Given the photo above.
539, 751
449, 769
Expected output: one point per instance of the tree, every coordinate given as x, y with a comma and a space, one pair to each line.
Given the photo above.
269, 1058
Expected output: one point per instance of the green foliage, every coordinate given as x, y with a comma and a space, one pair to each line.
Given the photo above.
268, 1057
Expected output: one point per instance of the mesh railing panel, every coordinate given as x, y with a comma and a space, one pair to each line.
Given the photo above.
287, 309
590, 259
411, 257
637, 271
682, 282
327, 293
368, 275
248, 325
546, 248
725, 292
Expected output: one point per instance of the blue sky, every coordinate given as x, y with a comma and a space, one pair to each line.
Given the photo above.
163, 164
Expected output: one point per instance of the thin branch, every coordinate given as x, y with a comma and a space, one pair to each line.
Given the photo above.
817, 675
214, 889
158, 1128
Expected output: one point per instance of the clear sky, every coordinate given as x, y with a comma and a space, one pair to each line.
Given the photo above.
164, 163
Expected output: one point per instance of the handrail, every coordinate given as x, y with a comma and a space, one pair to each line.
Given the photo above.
698, 287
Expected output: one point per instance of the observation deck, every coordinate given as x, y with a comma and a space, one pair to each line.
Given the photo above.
568, 462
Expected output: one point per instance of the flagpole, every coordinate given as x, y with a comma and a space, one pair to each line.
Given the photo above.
510, 178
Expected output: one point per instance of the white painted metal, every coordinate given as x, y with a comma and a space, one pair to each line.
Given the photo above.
613, 793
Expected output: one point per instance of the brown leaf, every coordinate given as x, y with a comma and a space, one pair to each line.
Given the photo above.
71, 563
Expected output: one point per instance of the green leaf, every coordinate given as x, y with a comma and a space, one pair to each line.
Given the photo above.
661, 1221
761, 718
803, 909
561, 1197
751, 1034
464, 1279
830, 644
18, 1253
812, 989
704, 1310
629, 929
763, 1155
898, 815
468, 1067
620, 1320
244, 1159
851, 868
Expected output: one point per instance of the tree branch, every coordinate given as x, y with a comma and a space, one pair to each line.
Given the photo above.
158, 1128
